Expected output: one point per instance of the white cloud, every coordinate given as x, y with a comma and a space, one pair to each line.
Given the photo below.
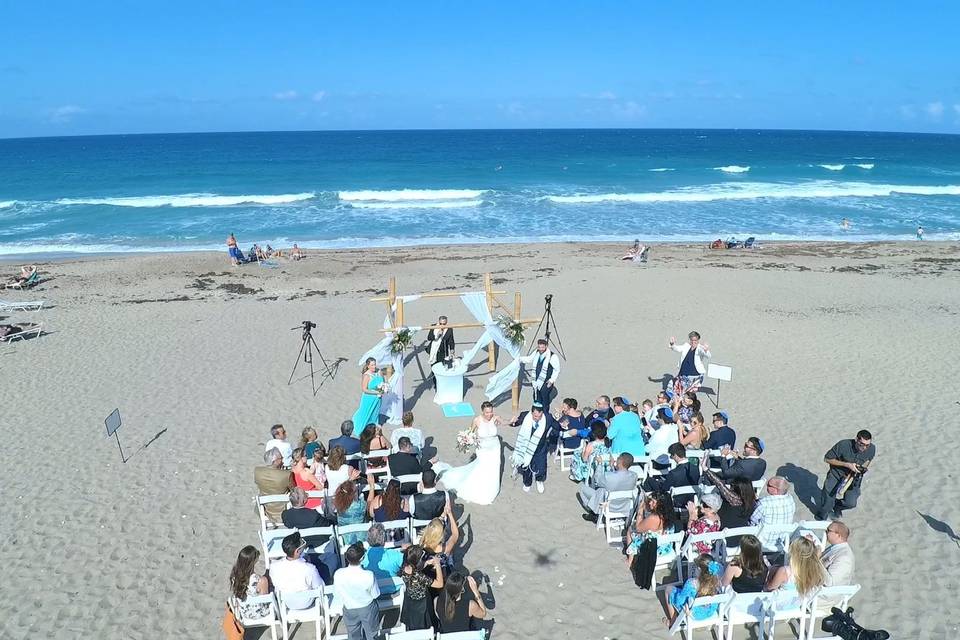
64, 114
603, 95
934, 110
286, 95
907, 112
318, 96
629, 110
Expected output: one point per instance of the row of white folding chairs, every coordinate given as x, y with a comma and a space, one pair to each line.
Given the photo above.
323, 612
430, 634
762, 610
271, 539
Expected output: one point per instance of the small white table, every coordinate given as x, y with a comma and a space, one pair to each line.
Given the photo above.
449, 382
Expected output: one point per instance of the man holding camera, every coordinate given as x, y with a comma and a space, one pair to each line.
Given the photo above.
848, 461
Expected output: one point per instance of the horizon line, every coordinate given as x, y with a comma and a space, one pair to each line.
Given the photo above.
426, 129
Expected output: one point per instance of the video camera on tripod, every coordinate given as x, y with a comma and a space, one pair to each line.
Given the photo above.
307, 347
306, 325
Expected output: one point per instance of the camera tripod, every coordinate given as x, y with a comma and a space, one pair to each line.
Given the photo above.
546, 319
307, 347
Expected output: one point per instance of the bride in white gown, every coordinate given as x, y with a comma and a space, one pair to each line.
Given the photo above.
479, 480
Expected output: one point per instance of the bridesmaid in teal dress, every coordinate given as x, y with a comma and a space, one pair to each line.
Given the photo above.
369, 411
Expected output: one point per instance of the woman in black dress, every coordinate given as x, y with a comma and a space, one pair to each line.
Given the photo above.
456, 609
747, 573
419, 576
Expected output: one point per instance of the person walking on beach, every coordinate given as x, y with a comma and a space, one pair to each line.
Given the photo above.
920, 232
848, 461
235, 257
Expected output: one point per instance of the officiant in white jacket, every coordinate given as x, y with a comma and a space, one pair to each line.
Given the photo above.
546, 368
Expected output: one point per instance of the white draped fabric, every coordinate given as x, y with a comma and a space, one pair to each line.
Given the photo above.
476, 304
392, 403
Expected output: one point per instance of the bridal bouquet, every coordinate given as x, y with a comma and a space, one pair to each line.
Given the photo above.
384, 388
467, 440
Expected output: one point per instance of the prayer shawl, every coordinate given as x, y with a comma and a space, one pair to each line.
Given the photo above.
528, 440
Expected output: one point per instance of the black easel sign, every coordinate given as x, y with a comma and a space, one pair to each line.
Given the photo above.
113, 423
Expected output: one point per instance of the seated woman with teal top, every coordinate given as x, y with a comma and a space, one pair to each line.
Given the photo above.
352, 508
626, 431
593, 454
705, 583
370, 397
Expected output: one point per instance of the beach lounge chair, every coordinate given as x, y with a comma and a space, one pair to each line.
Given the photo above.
22, 331
750, 243
31, 281
13, 305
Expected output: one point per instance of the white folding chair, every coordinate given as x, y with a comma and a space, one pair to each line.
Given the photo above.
415, 435
564, 454
391, 527
689, 553
758, 485
665, 560
271, 620
262, 502
270, 540
391, 601
462, 635
610, 520
686, 623
827, 598
748, 608
776, 537
798, 610
383, 471
408, 478
416, 526
313, 614
348, 530
314, 532
817, 526
419, 634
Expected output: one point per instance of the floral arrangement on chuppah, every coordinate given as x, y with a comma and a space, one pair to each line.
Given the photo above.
512, 330
401, 340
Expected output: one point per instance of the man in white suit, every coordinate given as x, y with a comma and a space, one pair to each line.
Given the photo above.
546, 367
691, 366
838, 556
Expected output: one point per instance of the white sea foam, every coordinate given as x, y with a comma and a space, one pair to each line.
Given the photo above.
189, 200
758, 190
416, 204
407, 195
661, 169
732, 168
6, 204
833, 167
865, 165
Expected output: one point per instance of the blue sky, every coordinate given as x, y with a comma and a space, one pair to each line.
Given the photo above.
136, 66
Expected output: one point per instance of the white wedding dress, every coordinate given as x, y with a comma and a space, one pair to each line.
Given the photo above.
478, 481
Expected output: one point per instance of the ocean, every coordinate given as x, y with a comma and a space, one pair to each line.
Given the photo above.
177, 192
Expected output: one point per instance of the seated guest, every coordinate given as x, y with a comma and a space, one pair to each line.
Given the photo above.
278, 440
271, 480
595, 492
384, 563
696, 433
705, 582
372, 439
296, 253
685, 473
429, 502
351, 508
838, 556
337, 469
456, 608
310, 445
245, 583
389, 505
357, 591
777, 507
703, 519
415, 435
798, 580
571, 421
293, 574
626, 431
405, 462
436, 542
306, 479
747, 464
346, 440
739, 502
747, 573
684, 406
720, 434
655, 517
661, 432
603, 412
419, 575
595, 454
300, 516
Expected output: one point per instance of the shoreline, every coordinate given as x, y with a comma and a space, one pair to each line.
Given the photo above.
66, 257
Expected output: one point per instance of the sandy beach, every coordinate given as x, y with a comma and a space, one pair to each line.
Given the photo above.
824, 339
